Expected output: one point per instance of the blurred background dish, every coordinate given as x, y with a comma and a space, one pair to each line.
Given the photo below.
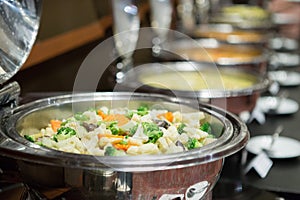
229, 34
277, 105
248, 57
283, 147
284, 59
231, 88
285, 78
244, 16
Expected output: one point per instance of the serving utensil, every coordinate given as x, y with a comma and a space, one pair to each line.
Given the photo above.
275, 103
275, 135
261, 162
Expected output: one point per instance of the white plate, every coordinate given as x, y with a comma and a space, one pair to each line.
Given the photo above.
283, 147
284, 59
285, 105
283, 43
285, 78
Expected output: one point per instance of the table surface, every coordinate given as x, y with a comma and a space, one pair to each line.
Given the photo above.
284, 175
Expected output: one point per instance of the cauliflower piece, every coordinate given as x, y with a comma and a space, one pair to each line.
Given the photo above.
171, 133
193, 119
183, 138
145, 149
136, 118
177, 117
173, 148
93, 117
71, 143
146, 118
140, 135
195, 133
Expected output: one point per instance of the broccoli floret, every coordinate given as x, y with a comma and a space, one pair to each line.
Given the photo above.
132, 130
152, 131
180, 128
193, 143
143, 110
113, 127
64, 133
111, 151
81, 117
206, 127
33, 137
29, 138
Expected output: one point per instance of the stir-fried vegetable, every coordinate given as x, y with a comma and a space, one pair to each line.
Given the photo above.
152, 131
64, 133
193, 143
143, 110
111, 151
206, 127
121, 131
180, 128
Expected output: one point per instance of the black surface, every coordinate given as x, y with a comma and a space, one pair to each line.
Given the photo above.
284, 176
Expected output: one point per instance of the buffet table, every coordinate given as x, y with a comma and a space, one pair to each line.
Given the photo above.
282, 180
284, 176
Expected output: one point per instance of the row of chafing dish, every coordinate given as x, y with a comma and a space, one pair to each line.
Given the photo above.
188, 175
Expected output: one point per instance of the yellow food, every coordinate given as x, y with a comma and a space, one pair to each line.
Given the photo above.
192, 80
238, 54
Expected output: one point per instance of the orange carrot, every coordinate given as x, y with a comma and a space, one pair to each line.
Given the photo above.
121, 119
100, 135
168, 116
124, 147
101, 113
55, 124
119, 146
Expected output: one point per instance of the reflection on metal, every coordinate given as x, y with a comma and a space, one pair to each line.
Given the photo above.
196, 191
172, 197
19, 23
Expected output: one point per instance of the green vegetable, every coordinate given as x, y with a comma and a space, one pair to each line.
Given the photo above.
132, 130
206, 127
152, 131
111, 151
33, 137
143, 110
115, 130
123, 142
29, 138
193, 143
81, 117
180, 128
64, 133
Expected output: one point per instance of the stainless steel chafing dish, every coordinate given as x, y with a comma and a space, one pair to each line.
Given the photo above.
235, 100
129, 177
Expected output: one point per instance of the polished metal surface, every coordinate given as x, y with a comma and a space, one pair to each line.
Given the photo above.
132, 80
183, 47
19, 23
33, 116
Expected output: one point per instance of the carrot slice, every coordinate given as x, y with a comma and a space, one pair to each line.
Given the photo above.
101, 113
55, 124
168, 116
124, 147
110, 136
121, 119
